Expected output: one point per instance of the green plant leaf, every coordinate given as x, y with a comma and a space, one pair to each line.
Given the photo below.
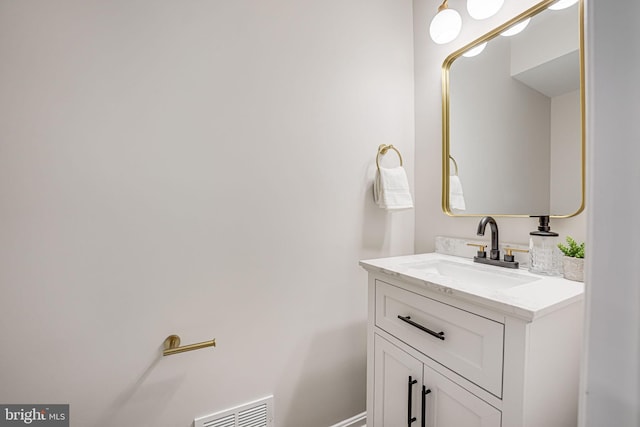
572, 248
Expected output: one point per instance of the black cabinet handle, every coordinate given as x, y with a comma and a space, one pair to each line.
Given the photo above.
410, 419
439, 335
425, 391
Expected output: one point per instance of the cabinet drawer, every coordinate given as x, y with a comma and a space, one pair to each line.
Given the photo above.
465, 343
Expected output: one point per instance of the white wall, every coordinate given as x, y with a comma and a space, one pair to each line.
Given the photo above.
612, 388
199, 168
550, 35
431, 221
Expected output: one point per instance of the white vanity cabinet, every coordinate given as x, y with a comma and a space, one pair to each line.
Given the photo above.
441, 356
415, 393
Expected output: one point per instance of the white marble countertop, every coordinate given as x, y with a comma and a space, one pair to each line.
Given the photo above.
540, 296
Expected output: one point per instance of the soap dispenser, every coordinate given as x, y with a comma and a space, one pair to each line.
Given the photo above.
544, 255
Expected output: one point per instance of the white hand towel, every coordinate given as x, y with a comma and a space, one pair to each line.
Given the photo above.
456, 196
391, 189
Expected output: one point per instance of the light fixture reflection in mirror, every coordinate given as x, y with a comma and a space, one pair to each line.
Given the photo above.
446, 25
482, 9
475, 51
516, 29
563, 4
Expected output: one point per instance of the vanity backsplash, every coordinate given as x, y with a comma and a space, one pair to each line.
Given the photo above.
458, 247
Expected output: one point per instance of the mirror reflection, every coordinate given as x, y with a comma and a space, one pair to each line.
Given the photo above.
512, 114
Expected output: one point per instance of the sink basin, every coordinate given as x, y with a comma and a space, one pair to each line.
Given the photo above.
472, 274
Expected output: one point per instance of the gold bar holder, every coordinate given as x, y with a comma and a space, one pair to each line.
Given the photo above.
172, 345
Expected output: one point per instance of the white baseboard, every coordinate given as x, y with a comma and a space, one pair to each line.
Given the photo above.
357, 421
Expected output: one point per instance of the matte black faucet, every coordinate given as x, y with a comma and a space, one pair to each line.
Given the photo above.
494, 254
495, 248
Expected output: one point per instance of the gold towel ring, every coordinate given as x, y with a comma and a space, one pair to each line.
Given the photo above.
455, 164
383, 149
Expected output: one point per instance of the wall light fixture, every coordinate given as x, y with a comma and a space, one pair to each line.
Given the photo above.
447, 23
483, 9
516, 29
562, 4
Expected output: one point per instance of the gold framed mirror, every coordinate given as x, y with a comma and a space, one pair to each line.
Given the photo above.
513, 118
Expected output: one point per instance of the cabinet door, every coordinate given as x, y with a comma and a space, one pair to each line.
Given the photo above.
395, 402
449, 405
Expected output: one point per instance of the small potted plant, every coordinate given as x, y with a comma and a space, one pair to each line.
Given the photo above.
573, 261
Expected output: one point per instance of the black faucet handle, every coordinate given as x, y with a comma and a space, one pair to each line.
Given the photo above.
481, 249
509, 255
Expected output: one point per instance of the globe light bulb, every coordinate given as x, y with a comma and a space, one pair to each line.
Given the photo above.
445, 26
482, 9
516, 28
562, 4
475, 51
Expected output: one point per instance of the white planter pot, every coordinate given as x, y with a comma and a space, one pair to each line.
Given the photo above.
573, 268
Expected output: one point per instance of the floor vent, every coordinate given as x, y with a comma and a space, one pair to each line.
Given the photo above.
253, 414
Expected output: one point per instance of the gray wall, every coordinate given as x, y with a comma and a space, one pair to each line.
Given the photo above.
612, 367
